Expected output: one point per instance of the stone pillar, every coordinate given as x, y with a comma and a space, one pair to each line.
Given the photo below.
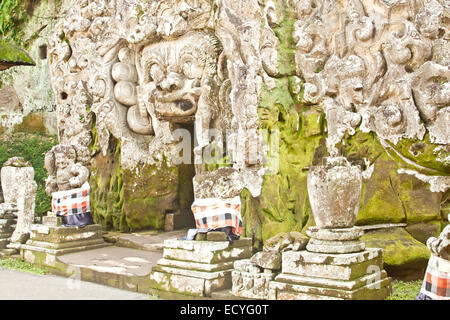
19, 189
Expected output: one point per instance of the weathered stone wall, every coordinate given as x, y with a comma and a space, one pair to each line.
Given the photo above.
27, 102
303, 78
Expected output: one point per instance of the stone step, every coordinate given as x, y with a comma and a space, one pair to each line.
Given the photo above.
152, 241
113, 266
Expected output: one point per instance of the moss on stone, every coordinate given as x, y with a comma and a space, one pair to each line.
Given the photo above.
32, 123
423, 153
13, 55
422, 231
150, 192
106, 193
403, 255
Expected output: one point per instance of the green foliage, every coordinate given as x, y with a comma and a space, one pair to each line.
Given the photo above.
32, 147
402, 290
20, 265
12, 14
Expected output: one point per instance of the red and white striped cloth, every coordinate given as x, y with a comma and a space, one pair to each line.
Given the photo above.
214, 213
436, 284
70, 202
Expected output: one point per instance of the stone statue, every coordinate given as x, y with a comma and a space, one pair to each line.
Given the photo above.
19, 190
65, 166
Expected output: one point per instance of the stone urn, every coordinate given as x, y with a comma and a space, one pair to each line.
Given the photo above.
334, 191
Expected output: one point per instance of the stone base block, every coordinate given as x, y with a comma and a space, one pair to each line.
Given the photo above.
326, 246
52, 221
59, 234
341, 234
211, 252
354, 276
251, 285
198, 268
189, 282
346, 266
376, 286
52, 241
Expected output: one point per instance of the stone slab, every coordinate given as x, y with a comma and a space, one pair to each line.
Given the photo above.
193, 245
148, 241
59, 252
339, 267
192, 284
207, 267
216, 236
194, 273
52, 221
40, 232
340, 234
115, 260
206, 251
331, 283
375, 290
65, 245
325, 246
251, 285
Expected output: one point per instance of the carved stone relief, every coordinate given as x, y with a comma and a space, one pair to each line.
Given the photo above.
379, 66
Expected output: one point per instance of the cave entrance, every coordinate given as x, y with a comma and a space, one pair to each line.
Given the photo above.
184, 218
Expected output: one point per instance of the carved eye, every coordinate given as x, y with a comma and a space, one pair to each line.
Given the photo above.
156, 73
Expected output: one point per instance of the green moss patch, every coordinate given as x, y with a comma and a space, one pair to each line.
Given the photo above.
13, 55
404, 257
20, 265
405, 290
32, 147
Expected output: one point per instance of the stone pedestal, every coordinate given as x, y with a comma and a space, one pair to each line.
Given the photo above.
198, 268
250, 280
49, 240
8, 215
335, 265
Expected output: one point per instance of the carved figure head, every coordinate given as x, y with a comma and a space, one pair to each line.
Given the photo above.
176, 73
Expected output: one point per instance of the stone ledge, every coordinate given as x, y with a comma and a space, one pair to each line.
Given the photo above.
64, 245
193, 245
332, 283
195, 266
188, 285
378, 290
344, 259
58, 252
54, 234
203, 255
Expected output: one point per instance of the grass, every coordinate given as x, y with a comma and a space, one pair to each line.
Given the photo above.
405, 290
20, 265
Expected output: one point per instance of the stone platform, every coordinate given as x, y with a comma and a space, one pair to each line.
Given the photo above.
198, 268
49, 240
311, 275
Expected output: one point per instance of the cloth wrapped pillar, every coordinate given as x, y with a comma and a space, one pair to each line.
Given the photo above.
73, 206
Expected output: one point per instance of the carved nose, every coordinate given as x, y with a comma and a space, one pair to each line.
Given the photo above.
172, 82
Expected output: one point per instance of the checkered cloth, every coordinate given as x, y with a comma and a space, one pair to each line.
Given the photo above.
215, 213
436, 284
71, 202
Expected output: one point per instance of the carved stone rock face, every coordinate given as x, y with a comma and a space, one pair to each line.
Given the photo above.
175, 72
